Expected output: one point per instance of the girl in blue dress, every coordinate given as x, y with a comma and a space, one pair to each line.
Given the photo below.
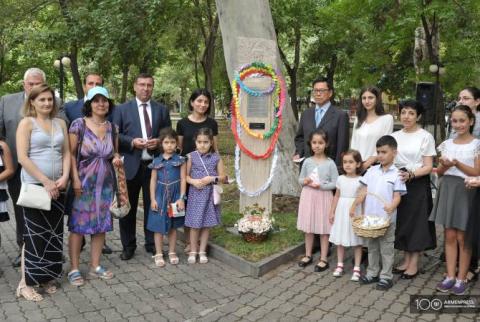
167, 191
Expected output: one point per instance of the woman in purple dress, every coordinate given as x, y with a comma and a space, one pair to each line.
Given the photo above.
91, 140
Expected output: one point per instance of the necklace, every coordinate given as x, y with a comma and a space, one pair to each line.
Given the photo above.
98, 123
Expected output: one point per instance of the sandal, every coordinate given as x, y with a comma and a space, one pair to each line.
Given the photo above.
159, 261
203, 259
173, 258
356, 274
321, 268
101, 272
50, 287
75, 278
338, 272
192, 258
29, 293
306, 260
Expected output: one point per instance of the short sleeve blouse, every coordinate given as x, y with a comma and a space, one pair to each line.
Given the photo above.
365, 137
465, 153
412, 147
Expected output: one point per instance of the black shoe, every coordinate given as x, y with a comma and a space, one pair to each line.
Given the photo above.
106, 250
127, 255
319, 268
384, 284
398, 271
17, 261
406, 276
368, 280
303, 262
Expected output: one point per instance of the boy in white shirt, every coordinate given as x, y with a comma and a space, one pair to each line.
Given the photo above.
381, 190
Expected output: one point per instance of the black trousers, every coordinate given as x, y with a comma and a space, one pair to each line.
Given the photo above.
128, 224
14, 185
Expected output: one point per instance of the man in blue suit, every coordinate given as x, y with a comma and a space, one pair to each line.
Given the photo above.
139, 121
73, 111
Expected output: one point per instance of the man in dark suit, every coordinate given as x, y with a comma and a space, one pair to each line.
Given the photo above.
10, 115
140, 121
327, 117
73, 111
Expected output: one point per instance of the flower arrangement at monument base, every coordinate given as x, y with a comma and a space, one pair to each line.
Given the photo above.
256, 224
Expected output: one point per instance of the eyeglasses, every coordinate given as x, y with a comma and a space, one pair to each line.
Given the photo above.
320, 91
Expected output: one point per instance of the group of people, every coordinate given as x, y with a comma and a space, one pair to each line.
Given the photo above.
72, 150
386, 176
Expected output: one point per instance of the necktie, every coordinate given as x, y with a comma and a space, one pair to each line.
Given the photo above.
318, 116
148, 125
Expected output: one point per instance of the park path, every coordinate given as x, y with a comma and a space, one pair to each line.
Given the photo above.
211, 292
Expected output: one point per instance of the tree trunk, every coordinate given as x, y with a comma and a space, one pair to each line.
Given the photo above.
123, 94
209, 33
292, 70
253, 19
331, 70
77, 79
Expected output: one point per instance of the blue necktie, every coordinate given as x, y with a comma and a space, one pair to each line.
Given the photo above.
318, 116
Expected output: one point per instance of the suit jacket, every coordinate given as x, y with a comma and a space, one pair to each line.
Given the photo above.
10, 116
126, 117
335, 123
74, 110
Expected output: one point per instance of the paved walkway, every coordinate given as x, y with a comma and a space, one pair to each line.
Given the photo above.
211, 292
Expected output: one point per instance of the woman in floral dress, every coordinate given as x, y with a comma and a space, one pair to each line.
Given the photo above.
91, 140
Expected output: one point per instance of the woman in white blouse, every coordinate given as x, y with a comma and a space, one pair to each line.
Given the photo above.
416, 149
371, 124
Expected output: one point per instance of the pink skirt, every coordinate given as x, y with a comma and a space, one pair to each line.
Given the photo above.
313, 211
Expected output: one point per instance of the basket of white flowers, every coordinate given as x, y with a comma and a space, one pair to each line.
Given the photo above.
255, 225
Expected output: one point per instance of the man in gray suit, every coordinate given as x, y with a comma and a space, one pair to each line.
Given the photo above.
327, 117
10, 116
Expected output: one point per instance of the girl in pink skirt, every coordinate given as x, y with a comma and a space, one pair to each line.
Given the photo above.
318, 177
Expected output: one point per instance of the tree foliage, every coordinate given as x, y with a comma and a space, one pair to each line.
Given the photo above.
352, 42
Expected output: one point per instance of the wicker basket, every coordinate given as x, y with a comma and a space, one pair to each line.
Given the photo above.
373, 232
378, 231
254, 238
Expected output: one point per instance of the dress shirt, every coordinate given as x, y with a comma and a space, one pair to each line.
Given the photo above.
320, 112
145, 154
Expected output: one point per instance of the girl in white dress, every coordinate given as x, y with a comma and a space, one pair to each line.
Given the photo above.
371, 124
342, 233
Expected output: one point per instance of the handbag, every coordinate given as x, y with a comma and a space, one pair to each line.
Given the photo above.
120, 206
217, 190
36, 196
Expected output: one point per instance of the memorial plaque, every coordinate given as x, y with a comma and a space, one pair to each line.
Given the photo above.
257, 106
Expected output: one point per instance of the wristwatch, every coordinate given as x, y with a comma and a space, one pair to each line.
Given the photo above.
183, 197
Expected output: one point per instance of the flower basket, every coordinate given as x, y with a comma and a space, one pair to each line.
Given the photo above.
255, 225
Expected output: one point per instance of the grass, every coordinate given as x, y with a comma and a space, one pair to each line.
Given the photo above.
255, 252
235, 244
